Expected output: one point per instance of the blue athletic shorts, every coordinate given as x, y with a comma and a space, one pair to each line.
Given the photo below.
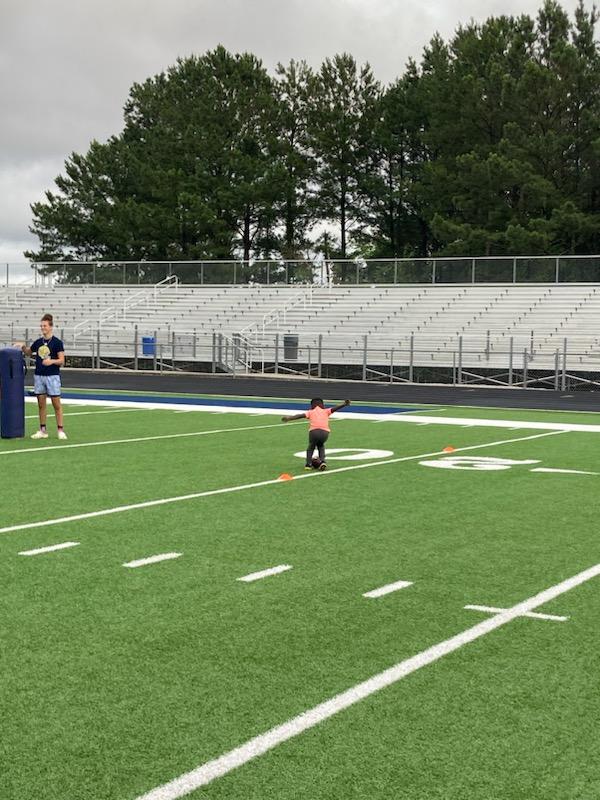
47, 384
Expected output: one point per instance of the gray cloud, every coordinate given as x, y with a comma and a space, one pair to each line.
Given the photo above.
67, 65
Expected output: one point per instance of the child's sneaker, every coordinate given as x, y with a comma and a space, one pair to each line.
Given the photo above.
307, 468
62, 435
40, 435
322, 466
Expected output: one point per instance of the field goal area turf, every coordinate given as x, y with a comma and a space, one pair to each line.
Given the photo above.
419, 621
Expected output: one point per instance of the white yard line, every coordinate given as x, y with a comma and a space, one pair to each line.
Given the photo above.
390, 587
532, 614
264, 573
50, 549
142, 562
257, 746
564, 471
243, 487
44, 449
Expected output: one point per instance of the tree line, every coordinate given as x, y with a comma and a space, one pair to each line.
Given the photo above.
488, 145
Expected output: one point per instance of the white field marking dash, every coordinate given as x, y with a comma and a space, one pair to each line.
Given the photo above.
45, 449
564, 471
245, 486
532, 614
141, 562
264, 573
388, 589
257, 746
87, 413
50, 549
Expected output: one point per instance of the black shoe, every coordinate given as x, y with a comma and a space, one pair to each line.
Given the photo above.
322, 466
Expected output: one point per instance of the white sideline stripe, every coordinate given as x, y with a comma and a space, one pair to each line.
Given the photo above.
276, 482
136, 439
511, 424
141, 562
388, 589
48, 549
564, 471
532, 614
340, 415
201, 776
264, 573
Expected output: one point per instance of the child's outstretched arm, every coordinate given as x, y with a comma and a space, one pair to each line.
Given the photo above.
295, 417
341, 405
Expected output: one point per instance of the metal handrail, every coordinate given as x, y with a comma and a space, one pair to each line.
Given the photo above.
128, 302
277, 313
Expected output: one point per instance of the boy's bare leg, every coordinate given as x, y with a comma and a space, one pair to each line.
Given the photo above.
58, 411
41, 399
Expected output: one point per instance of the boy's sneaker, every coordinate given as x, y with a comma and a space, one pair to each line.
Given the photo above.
62, 435
307, 468
40, 435
322, 466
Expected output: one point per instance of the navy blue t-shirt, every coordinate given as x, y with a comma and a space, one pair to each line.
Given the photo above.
47, 348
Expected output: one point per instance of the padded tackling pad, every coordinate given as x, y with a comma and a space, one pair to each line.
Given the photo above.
12, 393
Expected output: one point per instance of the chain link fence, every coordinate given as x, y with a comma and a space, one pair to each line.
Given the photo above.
497, 269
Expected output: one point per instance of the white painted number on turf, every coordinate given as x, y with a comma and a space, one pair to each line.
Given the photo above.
351, 454
475, 463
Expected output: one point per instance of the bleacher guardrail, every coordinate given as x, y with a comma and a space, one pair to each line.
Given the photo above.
517, 361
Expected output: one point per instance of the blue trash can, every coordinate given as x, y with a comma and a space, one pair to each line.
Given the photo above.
148, 345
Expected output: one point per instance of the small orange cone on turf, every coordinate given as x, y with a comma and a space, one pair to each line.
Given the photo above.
286, 477
449, 449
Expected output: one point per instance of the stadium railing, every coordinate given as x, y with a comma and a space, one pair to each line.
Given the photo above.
516, 362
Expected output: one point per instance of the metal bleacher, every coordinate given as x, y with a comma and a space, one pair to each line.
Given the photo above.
487, 319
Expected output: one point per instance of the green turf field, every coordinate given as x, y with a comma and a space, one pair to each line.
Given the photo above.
117, 680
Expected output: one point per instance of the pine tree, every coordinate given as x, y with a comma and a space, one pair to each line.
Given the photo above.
342, 116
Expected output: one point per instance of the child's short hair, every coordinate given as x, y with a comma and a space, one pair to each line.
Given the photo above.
48, 318
316, 401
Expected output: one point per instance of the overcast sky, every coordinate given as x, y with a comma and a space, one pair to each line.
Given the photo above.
66, 65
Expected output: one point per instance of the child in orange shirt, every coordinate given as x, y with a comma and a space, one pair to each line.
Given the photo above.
319, 429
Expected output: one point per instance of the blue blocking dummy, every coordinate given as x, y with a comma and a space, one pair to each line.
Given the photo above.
12, 393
